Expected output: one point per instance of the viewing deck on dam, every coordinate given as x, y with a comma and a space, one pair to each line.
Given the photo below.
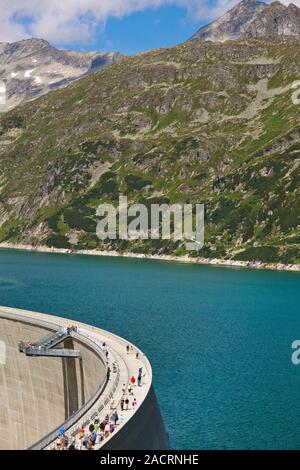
98, 396
50, 345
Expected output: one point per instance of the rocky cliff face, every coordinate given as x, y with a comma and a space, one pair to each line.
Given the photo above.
275, 20
32, 67
251, 18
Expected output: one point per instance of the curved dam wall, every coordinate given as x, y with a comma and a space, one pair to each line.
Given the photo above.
37, 394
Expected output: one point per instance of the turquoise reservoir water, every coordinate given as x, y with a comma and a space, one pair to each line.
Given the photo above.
219, 339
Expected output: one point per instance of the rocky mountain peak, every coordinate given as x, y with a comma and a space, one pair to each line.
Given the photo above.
32, 67
276, 20
232, 24
251, 18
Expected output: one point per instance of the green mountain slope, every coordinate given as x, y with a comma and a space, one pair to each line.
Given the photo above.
201, 122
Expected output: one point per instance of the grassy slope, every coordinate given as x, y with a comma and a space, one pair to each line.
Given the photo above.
210, 123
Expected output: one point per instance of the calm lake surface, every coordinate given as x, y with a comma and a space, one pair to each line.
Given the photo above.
219, 339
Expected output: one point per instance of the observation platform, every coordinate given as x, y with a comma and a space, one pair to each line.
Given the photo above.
48, 346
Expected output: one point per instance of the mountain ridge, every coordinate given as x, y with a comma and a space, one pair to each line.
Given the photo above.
32, 67
252, 18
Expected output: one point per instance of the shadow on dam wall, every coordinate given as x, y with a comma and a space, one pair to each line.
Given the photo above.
73, 380
71, 392
37, 394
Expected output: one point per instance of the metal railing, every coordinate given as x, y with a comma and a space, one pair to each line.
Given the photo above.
36, 352
75, 429
52, 338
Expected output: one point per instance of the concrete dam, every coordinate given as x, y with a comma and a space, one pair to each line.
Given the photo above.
84, 377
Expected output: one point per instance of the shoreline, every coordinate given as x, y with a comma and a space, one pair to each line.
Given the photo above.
169, 258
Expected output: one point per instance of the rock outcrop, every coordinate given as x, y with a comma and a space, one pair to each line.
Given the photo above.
251, 18
33, 67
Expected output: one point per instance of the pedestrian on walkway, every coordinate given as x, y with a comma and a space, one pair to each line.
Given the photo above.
115, 417
124, 389
107, 430
102, 425
85, 442
127, 403
140, 376
91, 428
122, 404
127, 348
93, 438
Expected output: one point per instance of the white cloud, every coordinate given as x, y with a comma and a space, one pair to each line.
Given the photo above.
66, 21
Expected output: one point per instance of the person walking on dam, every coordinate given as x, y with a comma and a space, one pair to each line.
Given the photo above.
115, 417
107, 430
140, 376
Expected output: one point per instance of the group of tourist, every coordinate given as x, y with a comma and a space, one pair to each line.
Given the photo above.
128, 396
95, 434
24, 345
101, 429
130, 350
71, 329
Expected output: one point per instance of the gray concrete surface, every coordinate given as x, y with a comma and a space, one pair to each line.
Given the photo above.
38, 394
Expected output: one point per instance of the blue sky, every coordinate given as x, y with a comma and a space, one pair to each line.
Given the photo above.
163, 27
128, 26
